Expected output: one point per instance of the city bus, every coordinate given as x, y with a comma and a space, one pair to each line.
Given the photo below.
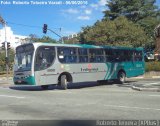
44, 64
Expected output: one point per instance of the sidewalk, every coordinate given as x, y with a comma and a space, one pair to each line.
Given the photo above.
6, 83
155, 87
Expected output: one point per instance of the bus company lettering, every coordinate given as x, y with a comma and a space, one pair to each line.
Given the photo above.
89, 70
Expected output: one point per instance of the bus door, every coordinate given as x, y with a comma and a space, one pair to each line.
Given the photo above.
44, 68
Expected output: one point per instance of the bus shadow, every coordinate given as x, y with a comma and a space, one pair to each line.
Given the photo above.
33, 88
71, 86
85, 85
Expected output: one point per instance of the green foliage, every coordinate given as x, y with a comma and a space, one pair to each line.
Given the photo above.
2, 61
11, 55
152, 66
35, 38
117, 32
73, 40
143, 12
134, 10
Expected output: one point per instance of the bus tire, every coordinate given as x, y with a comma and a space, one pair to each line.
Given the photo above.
63, 82
121, 77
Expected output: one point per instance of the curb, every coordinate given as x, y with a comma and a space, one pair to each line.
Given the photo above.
152, 77
145, 89
5, 86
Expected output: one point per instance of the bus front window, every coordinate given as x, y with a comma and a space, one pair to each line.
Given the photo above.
23, 59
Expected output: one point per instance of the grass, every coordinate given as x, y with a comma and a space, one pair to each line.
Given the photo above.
152, 66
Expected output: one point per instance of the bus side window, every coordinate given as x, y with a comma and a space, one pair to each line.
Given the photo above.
109, 55
138, 56
67, 55
92, 54
96, 55
83, 55
128, 55
117, 55
99, 56
122, 56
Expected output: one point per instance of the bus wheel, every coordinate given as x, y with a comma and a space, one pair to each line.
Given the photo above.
44, 87
64, 82
121, 77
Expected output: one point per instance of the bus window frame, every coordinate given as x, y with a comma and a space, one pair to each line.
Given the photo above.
67, 55
83, 55
137, 57
96, 55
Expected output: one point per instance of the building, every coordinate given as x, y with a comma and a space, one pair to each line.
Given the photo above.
15, 40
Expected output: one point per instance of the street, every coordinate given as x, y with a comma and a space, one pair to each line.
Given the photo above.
86, 101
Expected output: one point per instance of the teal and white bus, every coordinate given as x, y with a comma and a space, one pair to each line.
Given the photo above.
45, 63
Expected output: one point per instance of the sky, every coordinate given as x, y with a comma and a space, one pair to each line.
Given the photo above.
27, 17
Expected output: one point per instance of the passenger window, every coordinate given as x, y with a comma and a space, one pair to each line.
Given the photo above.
128, 55
138, 56
83, 55
44, 57
109, 55
67, 55
96, 55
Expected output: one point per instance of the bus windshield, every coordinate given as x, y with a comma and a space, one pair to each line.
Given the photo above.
23, 58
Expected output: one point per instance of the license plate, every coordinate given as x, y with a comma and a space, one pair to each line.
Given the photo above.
19, 81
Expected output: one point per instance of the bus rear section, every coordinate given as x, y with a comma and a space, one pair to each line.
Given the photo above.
124, 62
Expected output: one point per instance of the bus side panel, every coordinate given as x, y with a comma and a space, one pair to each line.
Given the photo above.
49, 75
111, 73
139, 68
86, 71
133, 69
129, 68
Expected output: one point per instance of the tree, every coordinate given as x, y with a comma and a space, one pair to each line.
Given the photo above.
134, 10
11, 55
117, 32
141, 12
35, 38
73, 40
83, 34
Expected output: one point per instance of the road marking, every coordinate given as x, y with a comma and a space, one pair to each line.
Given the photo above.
11, 96
151, 83
129, 107
154, 95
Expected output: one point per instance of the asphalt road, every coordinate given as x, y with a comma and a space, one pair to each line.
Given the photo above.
86, 101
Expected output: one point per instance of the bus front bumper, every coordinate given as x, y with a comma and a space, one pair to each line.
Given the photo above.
24, 80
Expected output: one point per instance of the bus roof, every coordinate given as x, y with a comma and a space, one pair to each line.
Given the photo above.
82, 45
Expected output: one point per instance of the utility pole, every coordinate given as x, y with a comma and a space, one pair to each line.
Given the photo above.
3, 22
